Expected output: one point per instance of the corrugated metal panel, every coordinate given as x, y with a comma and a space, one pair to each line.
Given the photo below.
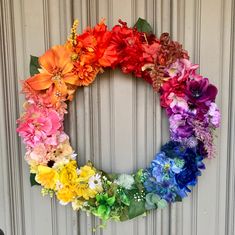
117, 122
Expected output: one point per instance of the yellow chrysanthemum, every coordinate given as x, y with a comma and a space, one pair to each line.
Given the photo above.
83, 190
66, 194
68, 174
86, 172
47, 177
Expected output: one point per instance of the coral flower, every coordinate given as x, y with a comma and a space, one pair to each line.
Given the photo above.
56, 70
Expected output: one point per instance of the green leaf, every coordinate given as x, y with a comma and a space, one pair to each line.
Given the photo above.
149, 206
124, 214
143, 26
162, 204
178, 199
152, 198
34, 65
124, 199
111, 200
32, 180
136, 208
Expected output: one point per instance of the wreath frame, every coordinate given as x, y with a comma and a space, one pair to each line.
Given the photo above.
187, 97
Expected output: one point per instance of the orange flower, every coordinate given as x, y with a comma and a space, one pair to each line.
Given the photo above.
91, 53
86, 73
56, 71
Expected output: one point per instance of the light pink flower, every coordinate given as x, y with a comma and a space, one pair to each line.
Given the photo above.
214, 115
38, 154
183, 69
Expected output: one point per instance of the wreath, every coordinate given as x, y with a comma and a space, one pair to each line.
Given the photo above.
187, 97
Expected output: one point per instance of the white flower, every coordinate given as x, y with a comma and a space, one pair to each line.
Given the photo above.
126, 181
95, 182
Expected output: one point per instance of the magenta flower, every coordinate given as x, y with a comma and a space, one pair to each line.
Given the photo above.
201, 91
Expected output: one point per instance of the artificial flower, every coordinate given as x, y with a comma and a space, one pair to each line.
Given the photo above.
125, 181
47, 177
200, 92
56, 71
105, 202
77, 204
37, 124
95, 182
65, 194
213, 115
37, 155
171, 89
91, 53
183, 69
68, 174
86, 172
83, 190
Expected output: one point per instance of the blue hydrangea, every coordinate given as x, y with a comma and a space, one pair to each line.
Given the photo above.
172, 171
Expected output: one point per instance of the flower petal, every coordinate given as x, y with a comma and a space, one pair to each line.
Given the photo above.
40, 81
62, 56
47, 61
70, 78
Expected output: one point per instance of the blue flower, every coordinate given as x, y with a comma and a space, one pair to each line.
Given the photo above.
193, 164
172, 171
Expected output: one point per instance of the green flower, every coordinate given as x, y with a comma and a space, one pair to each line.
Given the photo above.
125, 181
104, 205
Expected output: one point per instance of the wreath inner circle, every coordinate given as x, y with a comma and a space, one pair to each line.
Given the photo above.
187, 97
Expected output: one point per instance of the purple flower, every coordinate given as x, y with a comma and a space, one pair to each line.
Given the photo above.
180, 123
213, 115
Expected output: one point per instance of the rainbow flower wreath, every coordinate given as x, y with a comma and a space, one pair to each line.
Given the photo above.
188, 98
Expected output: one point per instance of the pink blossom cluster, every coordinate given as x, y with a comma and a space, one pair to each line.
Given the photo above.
41, 129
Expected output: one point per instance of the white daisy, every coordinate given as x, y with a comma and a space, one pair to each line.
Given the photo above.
95, 182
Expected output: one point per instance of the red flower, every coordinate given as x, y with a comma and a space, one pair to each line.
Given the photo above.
171, 86
129, 45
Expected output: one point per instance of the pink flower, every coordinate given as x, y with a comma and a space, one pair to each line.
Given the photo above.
37, 124
38, 154
183, 69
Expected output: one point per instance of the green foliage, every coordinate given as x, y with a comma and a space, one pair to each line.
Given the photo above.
32, 180
34, 65
154, 201
136, 208
143, 26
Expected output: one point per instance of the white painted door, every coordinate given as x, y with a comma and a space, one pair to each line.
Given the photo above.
117, 122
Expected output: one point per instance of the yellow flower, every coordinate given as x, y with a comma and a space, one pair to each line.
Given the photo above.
83, 190
47, 177
66, 194
68, 174
86, 172
77, 204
